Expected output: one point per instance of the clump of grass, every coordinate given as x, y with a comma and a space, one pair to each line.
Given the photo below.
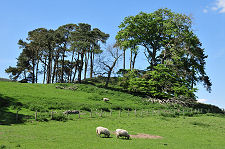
168, 114
2, 147
200, 124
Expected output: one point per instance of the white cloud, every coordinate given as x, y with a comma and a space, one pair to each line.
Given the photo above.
202, 100
205, 10
219, 5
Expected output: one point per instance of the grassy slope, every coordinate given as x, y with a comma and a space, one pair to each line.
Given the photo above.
86, 96
180, 132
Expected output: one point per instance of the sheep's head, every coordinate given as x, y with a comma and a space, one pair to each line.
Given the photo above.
128, 137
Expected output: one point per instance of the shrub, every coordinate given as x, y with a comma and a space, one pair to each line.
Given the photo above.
105, 109
85, 108
59, 117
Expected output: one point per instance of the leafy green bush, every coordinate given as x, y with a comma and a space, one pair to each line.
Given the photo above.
161, 82
59, 117
85, 108
43, 117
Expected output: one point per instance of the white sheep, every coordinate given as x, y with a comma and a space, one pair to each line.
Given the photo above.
122, 133
101, 130
106, 99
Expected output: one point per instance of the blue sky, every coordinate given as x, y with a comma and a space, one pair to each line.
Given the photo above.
19, 17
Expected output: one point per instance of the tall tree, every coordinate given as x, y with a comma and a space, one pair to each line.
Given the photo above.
108, 61
81, 40
97, 36
162, 32
64, 37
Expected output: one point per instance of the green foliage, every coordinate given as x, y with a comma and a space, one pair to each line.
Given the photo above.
168, 39
162, 82
59, 117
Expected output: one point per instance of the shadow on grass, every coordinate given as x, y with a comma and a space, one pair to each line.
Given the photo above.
7, 117
104, 137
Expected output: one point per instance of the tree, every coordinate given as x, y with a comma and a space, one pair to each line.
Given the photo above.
64, 39
108, 60
97, 36
163, 33
22, 68
36, 47
81, 40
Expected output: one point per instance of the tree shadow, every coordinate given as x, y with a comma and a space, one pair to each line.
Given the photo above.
7, 117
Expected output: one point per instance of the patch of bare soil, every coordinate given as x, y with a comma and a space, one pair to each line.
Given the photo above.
145, 136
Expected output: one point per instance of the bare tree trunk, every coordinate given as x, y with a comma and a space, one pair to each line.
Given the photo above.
57, 72
91, 65
33, 70
37, 70
49, 70
135, 55
62, 68
44, 70
108, 77
80, 67
71, 71
54, 68
85, 66
124, 60
131, 57
110, 71
153, 57
76, 66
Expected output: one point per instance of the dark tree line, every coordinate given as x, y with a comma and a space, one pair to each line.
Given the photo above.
58, 55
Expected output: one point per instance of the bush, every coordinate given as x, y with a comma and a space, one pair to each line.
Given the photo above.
161, 83
59, 117
85, 108
43, 117
164, 114
105, 109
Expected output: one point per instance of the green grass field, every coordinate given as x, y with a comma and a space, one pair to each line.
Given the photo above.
202, 132
198, 131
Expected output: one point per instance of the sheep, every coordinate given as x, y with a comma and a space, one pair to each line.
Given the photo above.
101, 130
122, 133
106, 99
71, 112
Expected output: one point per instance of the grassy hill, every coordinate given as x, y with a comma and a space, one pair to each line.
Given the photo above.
4, 79
86, 97
183, 129
72, 96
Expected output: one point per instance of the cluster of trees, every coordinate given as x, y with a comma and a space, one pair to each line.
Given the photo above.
175, 54
63, 53
169, 41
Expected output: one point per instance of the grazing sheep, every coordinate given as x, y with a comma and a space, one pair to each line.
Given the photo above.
122, 133
71, 112
106, 99
102, 130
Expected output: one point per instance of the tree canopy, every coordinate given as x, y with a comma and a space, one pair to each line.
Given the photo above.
168, 39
